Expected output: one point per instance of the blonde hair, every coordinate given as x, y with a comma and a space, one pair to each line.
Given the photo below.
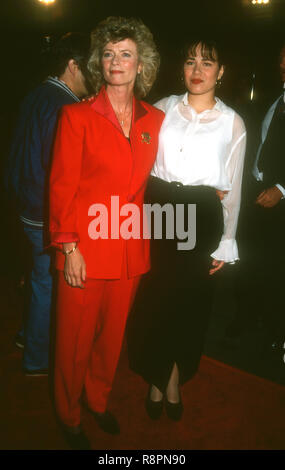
115, 29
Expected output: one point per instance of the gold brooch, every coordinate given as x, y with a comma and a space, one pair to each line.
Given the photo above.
146, 138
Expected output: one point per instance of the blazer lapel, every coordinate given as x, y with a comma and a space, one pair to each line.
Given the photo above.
267, 120
103, 106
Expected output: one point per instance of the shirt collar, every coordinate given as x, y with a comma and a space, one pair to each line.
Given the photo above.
219, 106
59, 83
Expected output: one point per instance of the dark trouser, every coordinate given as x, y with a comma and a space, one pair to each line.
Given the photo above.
171, 313
260, 275
38, 299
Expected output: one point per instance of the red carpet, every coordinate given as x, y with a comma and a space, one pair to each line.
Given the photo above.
224, 408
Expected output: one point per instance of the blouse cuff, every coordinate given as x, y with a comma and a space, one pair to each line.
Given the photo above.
57, 238
281, 189
227, 251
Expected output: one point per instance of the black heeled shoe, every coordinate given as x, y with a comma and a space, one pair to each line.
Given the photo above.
76, 440
107, 422
153, 408
174, 411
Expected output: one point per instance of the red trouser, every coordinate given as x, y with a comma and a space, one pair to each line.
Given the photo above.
90, 329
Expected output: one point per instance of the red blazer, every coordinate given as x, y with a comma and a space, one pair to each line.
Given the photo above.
93, 161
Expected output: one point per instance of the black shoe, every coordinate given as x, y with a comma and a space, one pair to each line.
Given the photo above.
153, 408
174, 411
107, 422
19, 341
76, 440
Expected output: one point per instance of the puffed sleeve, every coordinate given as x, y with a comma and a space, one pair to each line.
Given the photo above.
227, 250
65, 177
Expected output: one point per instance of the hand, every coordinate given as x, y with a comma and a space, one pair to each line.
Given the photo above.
269, 197
75, 269
221, 194
217, 266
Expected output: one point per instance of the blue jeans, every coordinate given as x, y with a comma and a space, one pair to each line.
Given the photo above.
38, 285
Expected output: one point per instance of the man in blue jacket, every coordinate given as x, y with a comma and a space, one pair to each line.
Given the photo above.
27, 184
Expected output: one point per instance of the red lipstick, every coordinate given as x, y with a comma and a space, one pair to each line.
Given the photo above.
196, 81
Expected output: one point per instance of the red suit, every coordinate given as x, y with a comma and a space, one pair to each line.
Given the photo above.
93, 161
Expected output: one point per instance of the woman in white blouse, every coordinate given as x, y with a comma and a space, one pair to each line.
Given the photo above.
200, 156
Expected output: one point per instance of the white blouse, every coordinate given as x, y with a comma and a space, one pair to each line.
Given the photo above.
204, 149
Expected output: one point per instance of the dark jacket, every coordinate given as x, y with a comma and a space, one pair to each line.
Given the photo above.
26, 178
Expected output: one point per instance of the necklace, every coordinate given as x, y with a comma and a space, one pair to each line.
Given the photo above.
122, 116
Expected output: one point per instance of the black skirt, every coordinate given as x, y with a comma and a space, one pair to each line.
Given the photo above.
171, 311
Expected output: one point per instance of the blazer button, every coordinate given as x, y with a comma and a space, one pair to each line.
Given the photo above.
130, 198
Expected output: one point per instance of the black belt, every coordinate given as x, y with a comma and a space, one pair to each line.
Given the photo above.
180, 186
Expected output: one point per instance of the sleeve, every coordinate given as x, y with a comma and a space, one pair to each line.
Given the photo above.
281, 189
227, 250
65, 177
48, 123
161, 104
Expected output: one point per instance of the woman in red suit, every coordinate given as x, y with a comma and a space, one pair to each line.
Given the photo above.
104, 151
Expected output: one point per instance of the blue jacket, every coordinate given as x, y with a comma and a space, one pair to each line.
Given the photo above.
29, 160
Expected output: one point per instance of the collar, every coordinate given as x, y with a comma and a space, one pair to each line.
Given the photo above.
219, 106
102, 105
60, 84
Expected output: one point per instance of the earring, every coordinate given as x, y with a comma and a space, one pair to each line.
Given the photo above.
219, 82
